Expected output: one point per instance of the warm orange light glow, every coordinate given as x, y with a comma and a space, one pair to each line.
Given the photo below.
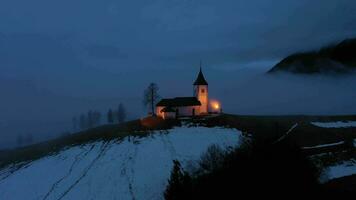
215, 105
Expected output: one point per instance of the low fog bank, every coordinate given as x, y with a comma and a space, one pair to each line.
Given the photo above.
287, 94
40, 110
33, 112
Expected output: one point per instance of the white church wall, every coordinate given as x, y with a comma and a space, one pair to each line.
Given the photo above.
188, 110
169, 115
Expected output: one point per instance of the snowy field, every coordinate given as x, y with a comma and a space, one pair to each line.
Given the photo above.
338, 124
133, 168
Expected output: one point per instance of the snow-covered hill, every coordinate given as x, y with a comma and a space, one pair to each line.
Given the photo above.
132, 168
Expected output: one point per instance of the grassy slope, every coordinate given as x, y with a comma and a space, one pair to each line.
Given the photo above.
272, 127
261, 127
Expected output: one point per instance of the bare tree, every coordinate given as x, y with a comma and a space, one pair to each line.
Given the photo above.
110, 117
75, 123
151, 97
83, 122
96, 118
29, 139
90, 119
121, 113
19, 140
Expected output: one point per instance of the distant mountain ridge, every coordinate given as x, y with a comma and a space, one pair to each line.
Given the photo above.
339, 58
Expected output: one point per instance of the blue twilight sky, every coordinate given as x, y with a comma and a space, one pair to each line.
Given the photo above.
59, 58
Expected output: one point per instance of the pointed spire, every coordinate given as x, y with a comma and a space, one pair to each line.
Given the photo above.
200, 79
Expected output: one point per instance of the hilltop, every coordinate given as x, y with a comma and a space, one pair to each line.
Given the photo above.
333, 59
135, 166
260, 127
133, 160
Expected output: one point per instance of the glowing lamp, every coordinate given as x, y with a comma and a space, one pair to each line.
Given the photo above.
215, 105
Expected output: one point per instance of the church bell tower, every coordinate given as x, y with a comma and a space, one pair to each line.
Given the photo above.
201, 92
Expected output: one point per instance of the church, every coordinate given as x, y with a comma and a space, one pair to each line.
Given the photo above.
196, 105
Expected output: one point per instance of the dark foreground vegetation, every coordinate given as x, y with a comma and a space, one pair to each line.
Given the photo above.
276, 169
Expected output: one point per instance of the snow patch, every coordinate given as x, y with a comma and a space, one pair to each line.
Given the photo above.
345, 169
324, 145
337, 124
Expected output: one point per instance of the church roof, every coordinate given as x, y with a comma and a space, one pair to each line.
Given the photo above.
179, 101
200, 79
168, 109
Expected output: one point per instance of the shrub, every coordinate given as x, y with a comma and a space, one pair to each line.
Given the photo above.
253, 169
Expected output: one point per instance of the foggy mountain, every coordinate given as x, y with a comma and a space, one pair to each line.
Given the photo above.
339, 58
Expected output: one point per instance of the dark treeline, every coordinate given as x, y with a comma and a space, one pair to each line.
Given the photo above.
87, 120
117, 115
254, 169
94, 118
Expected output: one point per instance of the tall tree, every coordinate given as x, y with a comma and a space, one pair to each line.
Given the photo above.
177, 183
83, 123
121, 113
90, 119
96, 118
75, 123
151, 97
110, 117
29, 138
19, 140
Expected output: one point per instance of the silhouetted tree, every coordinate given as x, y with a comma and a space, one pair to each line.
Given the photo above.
178, 183
19, 140
110, 117
96, 118
151, 97
29, 139
212, 158
75, 123
83, 123
121, 113
90, 119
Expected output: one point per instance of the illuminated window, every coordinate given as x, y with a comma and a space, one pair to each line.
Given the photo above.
202, 90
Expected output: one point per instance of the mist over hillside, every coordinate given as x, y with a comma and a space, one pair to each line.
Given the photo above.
61, 59
336, 59
28, 109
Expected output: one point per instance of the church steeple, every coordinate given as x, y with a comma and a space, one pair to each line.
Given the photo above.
200, 79
201, 92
